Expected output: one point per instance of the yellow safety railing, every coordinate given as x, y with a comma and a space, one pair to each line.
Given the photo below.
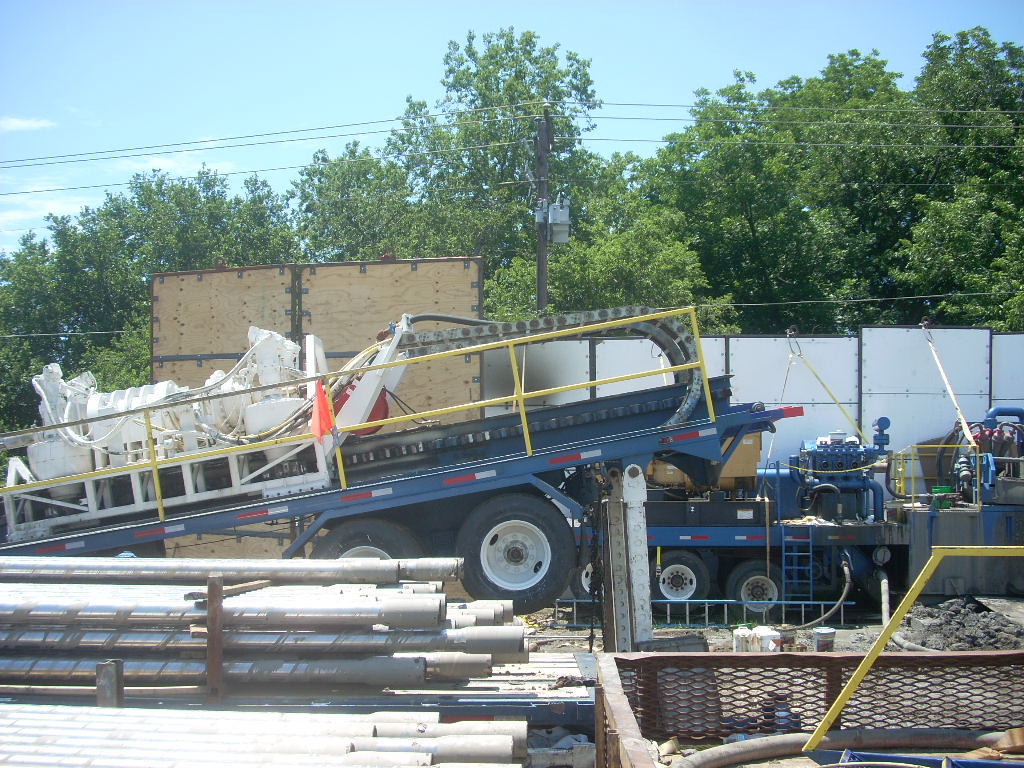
905, 482
937, 556
519, 396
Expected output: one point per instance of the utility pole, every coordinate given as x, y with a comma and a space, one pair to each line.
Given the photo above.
543, 202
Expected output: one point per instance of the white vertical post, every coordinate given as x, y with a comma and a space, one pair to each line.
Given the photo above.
634, 497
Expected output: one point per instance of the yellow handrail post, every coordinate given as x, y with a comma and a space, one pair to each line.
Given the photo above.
700, 359
520, 400
154, 465
937, 555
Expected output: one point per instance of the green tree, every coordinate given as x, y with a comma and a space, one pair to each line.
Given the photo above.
351, 208
81, 297
469, 162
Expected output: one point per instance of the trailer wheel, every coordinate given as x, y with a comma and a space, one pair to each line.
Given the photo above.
516, 547
582, 581
749, 582
684, 576
371, 537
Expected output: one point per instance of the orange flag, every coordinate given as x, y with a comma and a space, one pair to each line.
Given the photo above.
320, 424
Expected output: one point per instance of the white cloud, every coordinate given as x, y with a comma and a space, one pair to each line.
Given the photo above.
24, 123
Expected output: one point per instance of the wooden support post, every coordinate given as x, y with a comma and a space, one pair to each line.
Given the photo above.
110, 683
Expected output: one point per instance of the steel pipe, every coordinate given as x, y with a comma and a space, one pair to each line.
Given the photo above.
506, 644
422, 612
514, 728
322, 720
369, 670
385, 759
107, 570
457, 749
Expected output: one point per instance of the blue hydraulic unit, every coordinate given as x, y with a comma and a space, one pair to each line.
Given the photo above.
833, 478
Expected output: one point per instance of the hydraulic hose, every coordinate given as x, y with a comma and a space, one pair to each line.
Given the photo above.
791, 744
842, 599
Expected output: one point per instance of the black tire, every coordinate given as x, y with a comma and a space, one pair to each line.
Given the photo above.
369, 537
749, 581
516, 547
684, 576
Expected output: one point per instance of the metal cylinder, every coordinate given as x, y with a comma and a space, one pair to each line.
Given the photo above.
175, 742
454, 666
106, 570
384, 759
368, 670
514, 728
430, 569
506, 645
421, 612
457, 749
321, 720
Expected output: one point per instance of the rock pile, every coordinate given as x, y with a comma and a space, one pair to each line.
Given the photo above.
962, 624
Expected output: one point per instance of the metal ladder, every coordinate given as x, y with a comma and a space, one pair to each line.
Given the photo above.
797, 563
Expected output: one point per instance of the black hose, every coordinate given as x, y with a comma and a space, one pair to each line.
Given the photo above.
428, 316
787, 744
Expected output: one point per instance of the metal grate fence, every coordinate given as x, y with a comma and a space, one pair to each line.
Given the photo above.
700, 696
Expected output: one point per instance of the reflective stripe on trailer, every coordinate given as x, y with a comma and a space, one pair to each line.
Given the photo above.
363, 495
749, 538
694, 538
258, 513
162, 530
575, 457
706, 432
457, 479
60, 547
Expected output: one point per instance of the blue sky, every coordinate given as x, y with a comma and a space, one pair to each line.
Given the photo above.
81, 76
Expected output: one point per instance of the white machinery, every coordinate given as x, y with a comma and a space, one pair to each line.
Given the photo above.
105, 467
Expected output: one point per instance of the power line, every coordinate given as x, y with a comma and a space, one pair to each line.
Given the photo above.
862, 300
109, 154
928, 110
207, 144
391, 156
747, 142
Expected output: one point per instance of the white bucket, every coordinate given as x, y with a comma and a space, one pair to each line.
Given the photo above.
824, 638
767, 640
741, 640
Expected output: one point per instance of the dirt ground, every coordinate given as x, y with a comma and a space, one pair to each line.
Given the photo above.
985, 623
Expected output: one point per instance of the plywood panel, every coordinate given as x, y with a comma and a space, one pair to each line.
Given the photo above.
201, 319
190, 373
347, 304
210, 312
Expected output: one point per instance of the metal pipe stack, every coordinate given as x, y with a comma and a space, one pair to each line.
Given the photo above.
168, 738
378, 623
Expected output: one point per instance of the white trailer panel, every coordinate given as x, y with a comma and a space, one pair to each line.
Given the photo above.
899, 361
1008, 369
767, 369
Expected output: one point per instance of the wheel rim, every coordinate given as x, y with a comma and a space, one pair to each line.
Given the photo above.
758, 589
365, 550
677, 582
586, 578
515, 555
